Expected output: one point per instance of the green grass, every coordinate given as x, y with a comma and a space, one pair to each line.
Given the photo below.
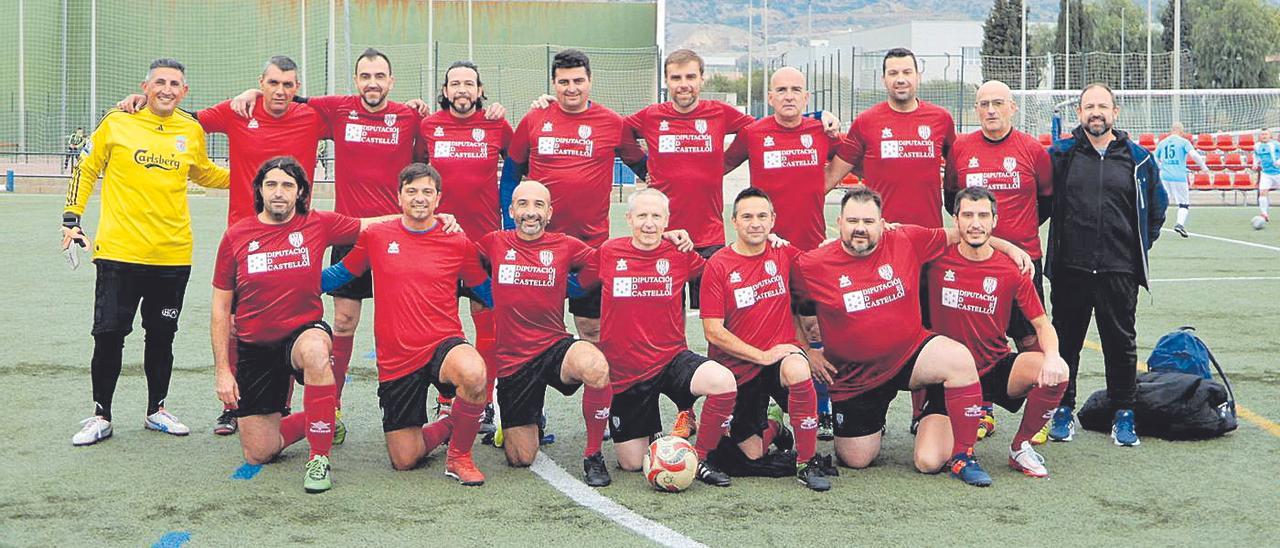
137, 486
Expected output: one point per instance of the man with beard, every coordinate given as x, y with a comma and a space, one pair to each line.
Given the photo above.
1108, 209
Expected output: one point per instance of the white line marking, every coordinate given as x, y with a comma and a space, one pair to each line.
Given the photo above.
589, 498
1229, 240
1235, 279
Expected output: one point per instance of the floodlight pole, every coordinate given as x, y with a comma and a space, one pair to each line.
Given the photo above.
764, 72
431, 44
333, 63
22, 79
1066, 49
1177, 57
93, 59
471, 55
1149, 66
1022, 14
302, 25
751, 35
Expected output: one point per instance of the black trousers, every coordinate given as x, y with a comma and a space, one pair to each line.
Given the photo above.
1077, 296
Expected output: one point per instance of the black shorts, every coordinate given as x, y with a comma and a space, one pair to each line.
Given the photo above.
864, 414
924, 297
995, 384
1019, 325
635, 412
360, 287
265, 370
751, 409
803, 307
587, 306
695, 284
120, 287
404, 400
520, 395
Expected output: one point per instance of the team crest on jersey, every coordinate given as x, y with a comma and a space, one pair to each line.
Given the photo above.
254, 245
439, 132
771, 268
352, 115
924, 132
663, 126
511, 255
253, 123
886, 133
768, 140
1009, 163
393, 248
844, 281
546, 127
180, 143
584, 131
477, 134
949, 276
885, 271
663, 266
545, 257
735, 278
389, 119
989, 284
622, 265
700, 125
295, 239
973, 162
806, 140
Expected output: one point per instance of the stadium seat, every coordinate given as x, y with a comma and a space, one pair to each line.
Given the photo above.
1202, 181
1046, 139
1214, 160
1204, 141
1163, 136
1241, 180
1191, 164
1225, 142
1222, 181
1235, 161
1246, 142
1147, 140
849, 180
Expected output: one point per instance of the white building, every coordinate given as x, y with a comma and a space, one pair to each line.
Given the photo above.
945, 49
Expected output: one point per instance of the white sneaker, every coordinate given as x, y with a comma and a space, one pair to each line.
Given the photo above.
1028, 461
162, 421
93, 430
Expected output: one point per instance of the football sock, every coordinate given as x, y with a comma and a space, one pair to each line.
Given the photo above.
486, 345
803, 411
466, 422
717, 410
964, 408
292, 429
157, 363
595, 411
104, 368
317, 405
770, 431
437, 433
824, 399
1264, 203
918, 397
1183, 212
341, 363
1041, 402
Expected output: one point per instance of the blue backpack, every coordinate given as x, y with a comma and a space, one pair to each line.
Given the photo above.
1182, 352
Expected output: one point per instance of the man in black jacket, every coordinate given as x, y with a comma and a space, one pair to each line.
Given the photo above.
1108, 209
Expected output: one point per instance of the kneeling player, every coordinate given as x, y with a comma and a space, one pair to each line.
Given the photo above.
971, 291
416, 329
867, 298
530, 269
268, 269
642, 336
746, 315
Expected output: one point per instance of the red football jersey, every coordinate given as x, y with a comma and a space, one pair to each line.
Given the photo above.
1017, 170
369, 150
573, 155
970, 302
869, 307
260, 138
642, 309
753, 297
530, 279
274, 271
789, 164
466, 152
686, 162
900, 155
415, 300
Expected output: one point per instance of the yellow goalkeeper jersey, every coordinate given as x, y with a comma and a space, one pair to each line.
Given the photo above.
144, 160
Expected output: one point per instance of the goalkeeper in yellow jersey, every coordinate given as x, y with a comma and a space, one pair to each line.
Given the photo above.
143, 247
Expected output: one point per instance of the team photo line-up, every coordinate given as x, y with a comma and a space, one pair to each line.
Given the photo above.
809, 338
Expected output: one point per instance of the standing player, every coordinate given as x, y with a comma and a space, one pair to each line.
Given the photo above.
1172, 154
971, 289
143, 253
268, 270
868, 303
746, 315
643, 338
569, 147
416, 327
898, 146
75, 142
1266, 160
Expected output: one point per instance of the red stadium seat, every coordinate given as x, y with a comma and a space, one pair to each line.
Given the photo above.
1235, 161
849, 180
1064, 136
1225, 142
1046, 139
1202, 181
1204, 141
1191, 164
1221, 181
1240, 180
1246, 142
1147, 141
1214, 160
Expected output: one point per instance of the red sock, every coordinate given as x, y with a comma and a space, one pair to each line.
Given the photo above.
595, 411
437, 433
917, 403
233, 356
486, 345
466, 422
317, 405
341, 363
964, 408
770, 431
802, 406
1041, 402
293, 428
717, 411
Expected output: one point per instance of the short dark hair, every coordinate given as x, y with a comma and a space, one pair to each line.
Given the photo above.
444, 102
370, 53
167, 62
1102, 85
861, 194
570, 58
680, 57
750, 192
975, 194
282, 62
898, 53
292, 168
418, 170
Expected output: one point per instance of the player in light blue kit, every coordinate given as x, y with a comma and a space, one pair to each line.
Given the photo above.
1172, 154
1266, 159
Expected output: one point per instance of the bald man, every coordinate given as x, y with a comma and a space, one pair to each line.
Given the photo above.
1171, 155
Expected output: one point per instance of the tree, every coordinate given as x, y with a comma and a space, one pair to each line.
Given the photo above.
1190, 11
1002, 46
1081, 35
1120, 27
1230, 44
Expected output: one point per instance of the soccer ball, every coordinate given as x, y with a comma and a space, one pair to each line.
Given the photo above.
1258, 222
671, 464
